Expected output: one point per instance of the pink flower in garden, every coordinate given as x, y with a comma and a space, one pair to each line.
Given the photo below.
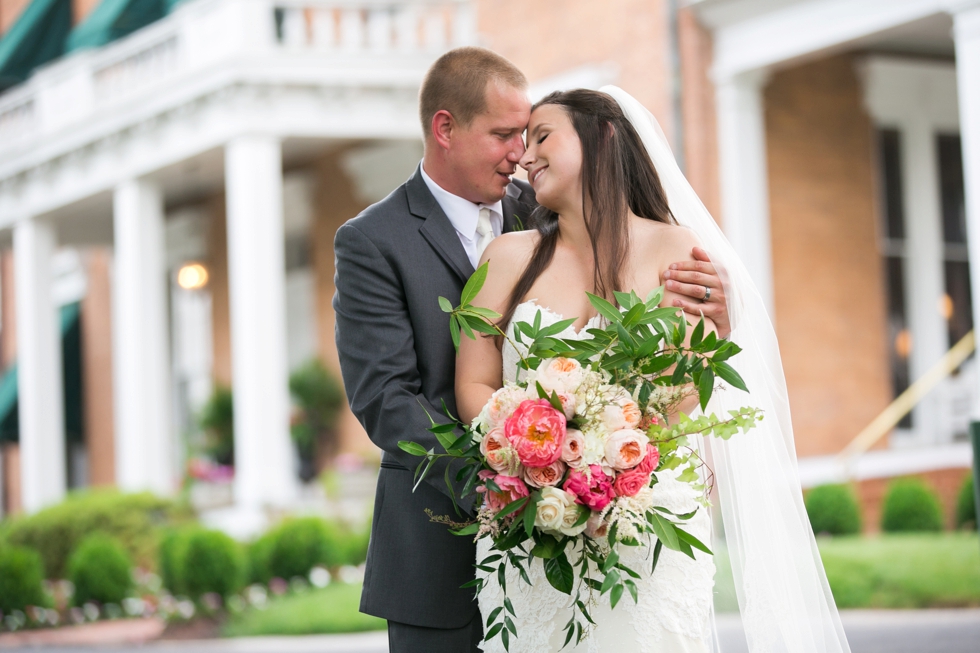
511, 489
544, 476
537, 431
627, 484
594, 489
650, 461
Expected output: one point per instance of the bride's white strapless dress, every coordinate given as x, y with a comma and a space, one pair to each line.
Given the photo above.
673, 611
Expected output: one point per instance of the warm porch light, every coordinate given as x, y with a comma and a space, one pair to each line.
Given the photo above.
946, 306
192, 276
903, 343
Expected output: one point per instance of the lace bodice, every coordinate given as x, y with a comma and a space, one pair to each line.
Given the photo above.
673, 612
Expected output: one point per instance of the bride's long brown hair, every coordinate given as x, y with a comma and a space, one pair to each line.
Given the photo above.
617, 174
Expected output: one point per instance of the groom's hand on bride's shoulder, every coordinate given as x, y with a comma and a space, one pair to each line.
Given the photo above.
699, 281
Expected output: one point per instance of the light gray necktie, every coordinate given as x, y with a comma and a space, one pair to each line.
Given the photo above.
484, 230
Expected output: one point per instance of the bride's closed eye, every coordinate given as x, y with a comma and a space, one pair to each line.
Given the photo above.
541, 139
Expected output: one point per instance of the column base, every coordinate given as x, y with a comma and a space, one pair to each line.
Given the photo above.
242, 522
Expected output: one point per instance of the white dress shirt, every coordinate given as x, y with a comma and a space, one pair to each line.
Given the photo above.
464, 214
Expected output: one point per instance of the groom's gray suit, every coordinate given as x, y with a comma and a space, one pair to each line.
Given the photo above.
394, 261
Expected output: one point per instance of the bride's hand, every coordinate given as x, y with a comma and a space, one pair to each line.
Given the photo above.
695, 279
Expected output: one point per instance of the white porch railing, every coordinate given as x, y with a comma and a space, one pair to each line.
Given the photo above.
210, 35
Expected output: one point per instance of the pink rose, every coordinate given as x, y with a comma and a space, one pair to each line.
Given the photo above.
596, 527
537, 431
650, 461
511, 489
625, 449
499, 453
568, 403
571, 451
631, 411
627, 484
544, 476
593, 489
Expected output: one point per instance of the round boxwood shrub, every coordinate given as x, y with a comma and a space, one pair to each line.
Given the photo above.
171, 555
100, 570
21, 578
966, 504
833, 509
910, 505
301, 544
259, 551
212, 562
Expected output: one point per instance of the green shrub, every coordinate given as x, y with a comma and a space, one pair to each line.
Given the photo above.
136, 520
320, 397
833, 509
357, 546
171, 555
21, 578
910, 505
301, 544
217, 420
259, 551
966, 504
212, 562
100, 570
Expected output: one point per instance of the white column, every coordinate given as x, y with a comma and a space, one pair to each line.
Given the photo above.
257, 278
744, 175
40, 388
924, 274
141, 370
966, 31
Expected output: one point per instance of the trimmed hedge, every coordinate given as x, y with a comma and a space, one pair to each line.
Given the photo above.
299, 544
911, 505
100, 570
21, 579
135, 520
212, 562
966, 506
259, 551
833, 509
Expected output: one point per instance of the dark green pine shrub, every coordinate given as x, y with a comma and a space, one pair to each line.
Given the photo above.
212, 562
966, 506
833, 509
910, 505
100, 570
21, 578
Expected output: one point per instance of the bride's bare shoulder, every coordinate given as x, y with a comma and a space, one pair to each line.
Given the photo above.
510, 252
662, 241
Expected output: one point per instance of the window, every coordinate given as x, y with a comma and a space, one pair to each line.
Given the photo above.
957, 304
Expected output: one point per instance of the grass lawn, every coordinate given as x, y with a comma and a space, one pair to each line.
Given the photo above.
332, 609
903, 571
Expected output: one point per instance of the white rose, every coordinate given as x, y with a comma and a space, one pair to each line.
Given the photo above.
561, 375
572, 515
613, 417
551, 508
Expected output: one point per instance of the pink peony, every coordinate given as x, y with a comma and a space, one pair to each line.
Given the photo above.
593, 490
511, 489
571, 451
499, 453
650, 461
537, 431
625, 449
544, 476
627, 484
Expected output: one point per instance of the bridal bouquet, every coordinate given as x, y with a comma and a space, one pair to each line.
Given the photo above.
566, 455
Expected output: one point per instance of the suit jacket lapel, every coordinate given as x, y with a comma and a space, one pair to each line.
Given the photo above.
437, 229
517, 207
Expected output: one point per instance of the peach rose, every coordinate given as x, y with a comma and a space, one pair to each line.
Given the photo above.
571, 451
503, 403
568, 403
595, 527
499, 453
613, 417
631, 412
544, 476
625, 449
559, 375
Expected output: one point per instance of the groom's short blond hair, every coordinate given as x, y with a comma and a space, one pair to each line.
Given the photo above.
457, 83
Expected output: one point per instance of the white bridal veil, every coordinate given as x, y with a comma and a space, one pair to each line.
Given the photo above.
783, 595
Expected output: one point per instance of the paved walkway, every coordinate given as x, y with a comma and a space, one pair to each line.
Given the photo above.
868, 631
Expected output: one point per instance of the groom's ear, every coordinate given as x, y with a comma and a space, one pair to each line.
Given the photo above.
443, 125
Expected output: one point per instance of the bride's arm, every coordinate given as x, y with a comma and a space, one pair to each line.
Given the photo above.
479, 364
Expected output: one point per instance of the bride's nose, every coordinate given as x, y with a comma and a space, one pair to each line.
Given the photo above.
527, 159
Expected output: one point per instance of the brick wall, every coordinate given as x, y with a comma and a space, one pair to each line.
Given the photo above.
829, 294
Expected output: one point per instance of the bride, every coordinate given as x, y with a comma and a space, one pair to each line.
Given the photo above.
615, 210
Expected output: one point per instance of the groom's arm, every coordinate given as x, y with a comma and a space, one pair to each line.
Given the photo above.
376, 345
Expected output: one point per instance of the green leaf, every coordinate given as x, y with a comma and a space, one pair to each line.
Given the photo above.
557, 327
664, 530
454, 331
705, 386
531, 512
483, 312
547, 547
445, 305
493, 615
607, 310
474, 284
658, 547
655, 297
479, 324
611, 579
511, 507
697, 334
625, 299
631, 586
510, 607
615, 595
467, 530
413, 448
559, 573
690, 539
633, 315
729, 375
493, 631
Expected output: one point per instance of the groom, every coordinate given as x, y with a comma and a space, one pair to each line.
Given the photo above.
393, 261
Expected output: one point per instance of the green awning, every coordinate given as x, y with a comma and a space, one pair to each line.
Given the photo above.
113, 19
72, 376
36, 38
